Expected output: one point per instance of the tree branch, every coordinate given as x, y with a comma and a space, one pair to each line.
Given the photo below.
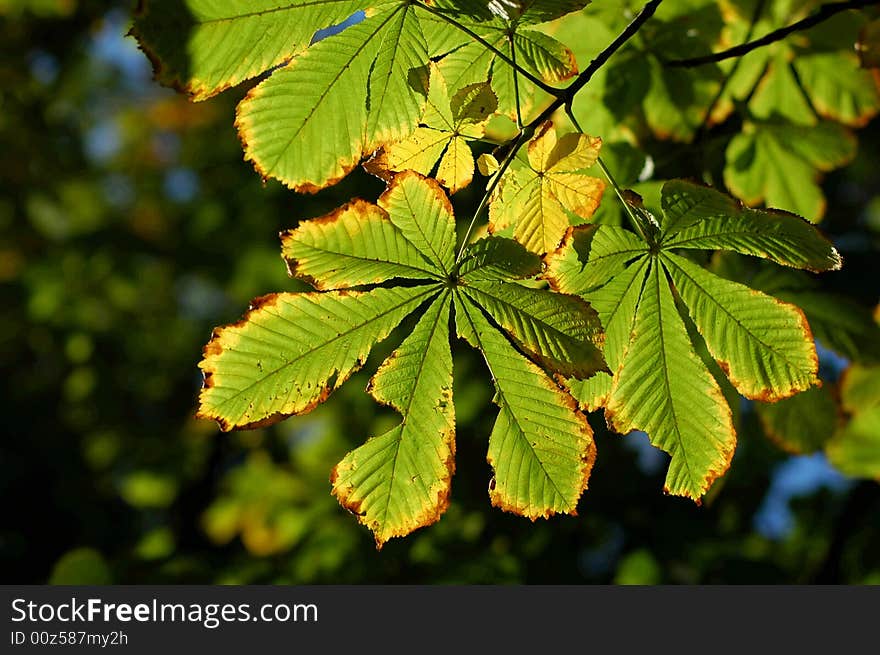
566, 95
824, 12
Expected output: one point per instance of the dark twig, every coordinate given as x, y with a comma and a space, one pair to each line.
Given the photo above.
824, 12
541, 84
566, 97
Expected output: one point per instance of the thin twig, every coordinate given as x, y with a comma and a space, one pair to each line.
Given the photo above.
490, 189
824, 12
541, 84
519, 123
634, 221
566, 97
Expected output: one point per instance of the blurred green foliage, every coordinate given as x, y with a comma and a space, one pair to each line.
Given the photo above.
130, 226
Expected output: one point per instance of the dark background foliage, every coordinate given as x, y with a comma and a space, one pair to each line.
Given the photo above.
130, 226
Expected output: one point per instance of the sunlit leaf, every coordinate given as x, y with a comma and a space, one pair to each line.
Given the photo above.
321, 97
778, 164
293, 349
534, 196
541, 448
640, 288
447, 125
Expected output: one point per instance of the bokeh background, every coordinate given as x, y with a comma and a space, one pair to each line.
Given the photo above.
130, 226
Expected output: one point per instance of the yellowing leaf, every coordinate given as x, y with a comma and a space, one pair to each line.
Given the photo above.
535, 197
401, 480
447, 124
293, 349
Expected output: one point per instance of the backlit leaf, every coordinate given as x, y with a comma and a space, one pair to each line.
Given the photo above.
541, 448
321, 97
779, 163
400, 481
535, 196
664, 389
203, 47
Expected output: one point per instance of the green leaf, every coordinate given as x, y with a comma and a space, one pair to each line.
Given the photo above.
203, 47
616, 304
400, 481
855, 448
541, 55
561, 332
423, 214
803, 423
355, 245
841, 324
590, 256
293, 349
764, 346
498, 258
541, 448
698, 217
352, 92
290, 351
641, 290
513, 12
664, 389
779, 163
542, 11
860, 388
838, 89
535, 196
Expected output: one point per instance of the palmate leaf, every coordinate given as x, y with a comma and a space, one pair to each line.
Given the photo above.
800, 95
779, 164
447, 126
534, 195
292, 350
660, 384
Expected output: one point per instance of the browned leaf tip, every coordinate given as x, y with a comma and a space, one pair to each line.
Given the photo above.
429, 516
377, 166
588, 459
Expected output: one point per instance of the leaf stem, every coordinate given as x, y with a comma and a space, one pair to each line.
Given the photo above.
541, 84
824, 12
566, 96
519, 123
490, 189
633, 219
